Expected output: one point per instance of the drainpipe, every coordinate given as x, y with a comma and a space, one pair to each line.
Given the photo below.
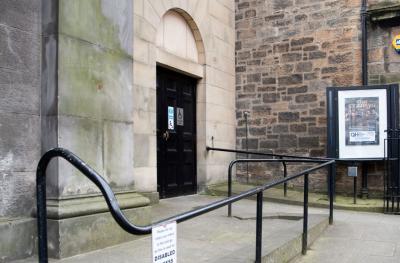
364, 43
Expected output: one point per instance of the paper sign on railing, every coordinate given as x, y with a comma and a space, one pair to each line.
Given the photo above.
164, 243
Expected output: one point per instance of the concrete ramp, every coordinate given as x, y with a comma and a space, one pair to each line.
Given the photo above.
214, 237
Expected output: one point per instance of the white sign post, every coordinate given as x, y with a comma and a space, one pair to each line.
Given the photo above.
164, 243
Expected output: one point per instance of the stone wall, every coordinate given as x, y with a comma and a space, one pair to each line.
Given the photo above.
19, 123
287, 53
87, 108
19, 105
90, 112
384, 61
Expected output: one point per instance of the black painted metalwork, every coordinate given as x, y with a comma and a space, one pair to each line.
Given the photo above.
279, 156
304, 173
364, 180
364, 42
284, 176
230, 177
355, 190
392, 173
392, 96
115, 210
259, 219
331, 189
267, 154
305, 216
246, 115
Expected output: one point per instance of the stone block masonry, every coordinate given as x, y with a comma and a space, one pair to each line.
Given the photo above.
20, 47
287, 53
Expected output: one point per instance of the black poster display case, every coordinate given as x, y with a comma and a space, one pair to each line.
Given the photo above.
359, 121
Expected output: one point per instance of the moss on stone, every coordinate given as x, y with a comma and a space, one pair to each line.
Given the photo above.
85, 20
95, 81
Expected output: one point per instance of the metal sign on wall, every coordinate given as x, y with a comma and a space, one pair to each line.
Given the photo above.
396, 43
179, 116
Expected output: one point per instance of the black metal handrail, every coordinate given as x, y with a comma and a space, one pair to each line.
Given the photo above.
208, 148
119, 216
280, 157
260, 199
284, 161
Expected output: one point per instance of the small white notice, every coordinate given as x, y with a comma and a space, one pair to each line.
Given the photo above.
362, 136
179, 117
171, 117
164, 243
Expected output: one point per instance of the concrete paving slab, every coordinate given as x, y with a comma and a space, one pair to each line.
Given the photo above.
214, 237
357, 237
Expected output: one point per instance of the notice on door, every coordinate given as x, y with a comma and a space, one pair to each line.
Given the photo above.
164, 243
179, 116
171, 118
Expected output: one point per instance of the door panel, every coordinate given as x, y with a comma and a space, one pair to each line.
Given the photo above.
176, 141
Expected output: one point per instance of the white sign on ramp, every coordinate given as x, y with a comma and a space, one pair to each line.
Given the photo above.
164, 243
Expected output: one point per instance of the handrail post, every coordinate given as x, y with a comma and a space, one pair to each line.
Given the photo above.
305, 216
284, 176
331, 190
230, 188
41, 213
259, 226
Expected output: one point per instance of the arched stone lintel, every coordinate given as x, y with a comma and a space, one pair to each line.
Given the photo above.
190, 22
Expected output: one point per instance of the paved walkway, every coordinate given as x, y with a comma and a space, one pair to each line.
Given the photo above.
214, 237
354, 237
357, 237
296, 198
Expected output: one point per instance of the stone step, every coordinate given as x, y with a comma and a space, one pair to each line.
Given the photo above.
296, 198
214, 237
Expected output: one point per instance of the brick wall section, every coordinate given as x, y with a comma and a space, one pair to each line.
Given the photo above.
287, 53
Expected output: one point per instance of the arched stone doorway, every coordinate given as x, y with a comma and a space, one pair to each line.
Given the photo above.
179, 70
208, 57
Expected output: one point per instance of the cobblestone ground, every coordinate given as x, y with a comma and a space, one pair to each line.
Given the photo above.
357, 237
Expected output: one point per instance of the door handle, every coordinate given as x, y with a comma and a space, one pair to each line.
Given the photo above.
165, 135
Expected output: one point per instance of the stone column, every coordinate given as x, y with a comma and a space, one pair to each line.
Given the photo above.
87, 106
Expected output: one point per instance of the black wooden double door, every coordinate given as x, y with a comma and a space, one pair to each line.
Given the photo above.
176, 134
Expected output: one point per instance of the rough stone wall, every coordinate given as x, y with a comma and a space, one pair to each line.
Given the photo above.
383, 67
384, 61
287, 53
19, 105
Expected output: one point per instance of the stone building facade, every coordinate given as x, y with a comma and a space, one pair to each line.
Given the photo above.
82, 75
287, 53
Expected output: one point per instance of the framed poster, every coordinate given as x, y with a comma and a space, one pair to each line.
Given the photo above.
362, 123
358, 118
